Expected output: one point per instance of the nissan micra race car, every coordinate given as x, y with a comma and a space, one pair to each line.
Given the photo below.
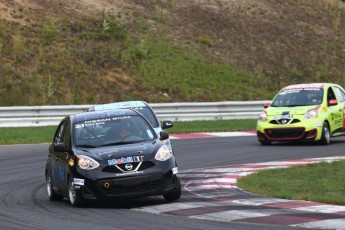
303, 112
109, 155
142, 107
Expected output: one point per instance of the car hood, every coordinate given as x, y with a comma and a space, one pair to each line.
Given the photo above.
146, 149
297, 110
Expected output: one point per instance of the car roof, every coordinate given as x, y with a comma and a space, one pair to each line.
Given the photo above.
103, 114
119, 105
310, 85
303, 86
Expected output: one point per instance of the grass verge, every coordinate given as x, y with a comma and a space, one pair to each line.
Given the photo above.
320, 182
35, 135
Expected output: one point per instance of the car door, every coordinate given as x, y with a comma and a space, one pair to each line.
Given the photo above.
340, 94
336, 112
59, 161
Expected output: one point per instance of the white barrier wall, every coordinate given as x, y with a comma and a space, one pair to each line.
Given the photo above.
21, 116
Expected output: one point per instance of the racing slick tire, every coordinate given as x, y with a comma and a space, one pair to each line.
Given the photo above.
74, 195
53, 196
175, 195
326, 135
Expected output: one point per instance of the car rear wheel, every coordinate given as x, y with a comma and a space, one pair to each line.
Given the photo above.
326, 135
175, 195
74, 195
53, 196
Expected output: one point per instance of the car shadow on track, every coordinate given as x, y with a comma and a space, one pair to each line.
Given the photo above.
129, 203
334, 141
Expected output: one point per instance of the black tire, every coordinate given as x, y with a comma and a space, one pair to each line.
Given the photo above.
326, 135
53, 196
74, 196
265, 142
175, 195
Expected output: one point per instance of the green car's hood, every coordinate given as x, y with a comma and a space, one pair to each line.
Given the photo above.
296, 110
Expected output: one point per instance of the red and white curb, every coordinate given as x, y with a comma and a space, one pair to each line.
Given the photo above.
211, 134
212, 194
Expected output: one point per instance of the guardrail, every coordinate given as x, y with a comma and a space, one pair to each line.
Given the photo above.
28, 116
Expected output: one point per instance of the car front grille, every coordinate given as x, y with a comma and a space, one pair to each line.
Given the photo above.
287, 133
130, 186
284, 121
114, 169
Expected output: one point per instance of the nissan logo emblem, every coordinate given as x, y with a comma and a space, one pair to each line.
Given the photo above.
128, 167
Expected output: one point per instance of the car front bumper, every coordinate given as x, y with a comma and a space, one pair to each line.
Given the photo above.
304, 130
139, 184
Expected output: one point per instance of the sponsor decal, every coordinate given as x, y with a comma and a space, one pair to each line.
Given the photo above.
135, 108
125, 160
109, 152
78, 181
318, 124
284, 116
337, 118
128, 173
306, 86
101, 121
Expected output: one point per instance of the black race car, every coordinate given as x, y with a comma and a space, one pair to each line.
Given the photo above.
109, 155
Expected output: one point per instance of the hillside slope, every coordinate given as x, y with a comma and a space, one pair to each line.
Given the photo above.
99, 51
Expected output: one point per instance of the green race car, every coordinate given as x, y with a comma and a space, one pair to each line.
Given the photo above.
303, 112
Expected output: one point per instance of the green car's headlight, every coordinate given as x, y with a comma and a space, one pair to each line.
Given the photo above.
311, 114
263, 116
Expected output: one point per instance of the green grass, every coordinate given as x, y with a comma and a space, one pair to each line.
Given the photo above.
34, 135
320, 182
26, 135
108, 57
213, 126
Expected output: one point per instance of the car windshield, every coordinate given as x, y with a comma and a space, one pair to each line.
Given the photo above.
298, 97
148, 114
109, 131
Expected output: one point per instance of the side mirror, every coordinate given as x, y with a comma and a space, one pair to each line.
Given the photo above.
167, 124
332, 102
60, 147
266, 105
163, 135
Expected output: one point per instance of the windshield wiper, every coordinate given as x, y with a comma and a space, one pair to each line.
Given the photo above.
122, 143
86, 146
292, 105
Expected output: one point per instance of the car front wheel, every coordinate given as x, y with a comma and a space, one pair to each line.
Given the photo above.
74, 195
326, 135
53, 196
175, 195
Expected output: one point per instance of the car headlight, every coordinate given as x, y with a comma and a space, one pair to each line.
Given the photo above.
311, 114
163, 153
85, 162
263, 116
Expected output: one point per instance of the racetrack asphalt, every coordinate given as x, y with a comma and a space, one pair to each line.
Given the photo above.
209, 169
211, 134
